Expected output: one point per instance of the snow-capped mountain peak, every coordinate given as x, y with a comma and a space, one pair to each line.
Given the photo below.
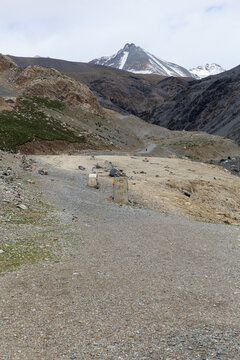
135, 59
207, 70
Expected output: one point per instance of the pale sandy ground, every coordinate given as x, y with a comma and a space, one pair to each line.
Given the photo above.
215, 194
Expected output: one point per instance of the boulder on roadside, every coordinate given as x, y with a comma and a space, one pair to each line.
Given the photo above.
43, 172
80, 167
116, 172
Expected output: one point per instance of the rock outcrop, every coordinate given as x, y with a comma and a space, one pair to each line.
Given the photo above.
6, 63
127, 94
211, 105
4, 105
40, 81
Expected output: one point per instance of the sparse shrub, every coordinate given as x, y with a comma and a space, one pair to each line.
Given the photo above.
27, 121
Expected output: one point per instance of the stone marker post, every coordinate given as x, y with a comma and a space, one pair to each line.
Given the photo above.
120, 189
93, 180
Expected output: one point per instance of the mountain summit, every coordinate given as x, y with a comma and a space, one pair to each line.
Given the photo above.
207, 70
134, 59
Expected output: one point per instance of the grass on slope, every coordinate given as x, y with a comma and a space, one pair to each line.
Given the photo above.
31, 236
28, 121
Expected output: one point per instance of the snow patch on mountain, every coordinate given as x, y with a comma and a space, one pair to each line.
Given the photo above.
156, 60
207, 70
134, 59
103, 59
140, 71
124, 59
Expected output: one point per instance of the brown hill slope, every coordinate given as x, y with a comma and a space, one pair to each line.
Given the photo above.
42, 81
34, 104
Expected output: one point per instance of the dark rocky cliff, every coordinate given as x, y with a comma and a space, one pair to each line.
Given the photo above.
211, 105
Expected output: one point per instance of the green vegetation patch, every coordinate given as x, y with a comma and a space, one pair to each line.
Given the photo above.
23, 251
28, 121
22, 240
48, 103
30, 236
190, 143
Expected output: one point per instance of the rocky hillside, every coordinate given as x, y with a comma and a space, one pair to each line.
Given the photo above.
6, 63
211, 105
41, 81
34, 106
127, 95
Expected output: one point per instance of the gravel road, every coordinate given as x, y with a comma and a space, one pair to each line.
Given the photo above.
132, 284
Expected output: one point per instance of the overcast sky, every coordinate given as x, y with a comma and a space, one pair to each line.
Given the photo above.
187, 32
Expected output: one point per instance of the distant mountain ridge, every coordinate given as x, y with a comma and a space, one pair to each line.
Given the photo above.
207, 70
134, 59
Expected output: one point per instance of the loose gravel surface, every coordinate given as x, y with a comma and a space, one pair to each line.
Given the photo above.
131, 283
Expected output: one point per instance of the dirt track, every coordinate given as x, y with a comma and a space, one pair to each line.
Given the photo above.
132, 283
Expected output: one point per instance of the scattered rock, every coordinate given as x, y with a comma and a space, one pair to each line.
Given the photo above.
231, 164
116, 172
187, 193
80, 167
7, 172
23, 206
108, 166
98, 166
43, 172
145, 160
1, 251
